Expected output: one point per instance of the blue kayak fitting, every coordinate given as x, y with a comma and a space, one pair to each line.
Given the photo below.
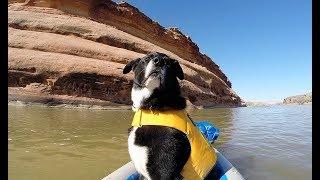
210, 132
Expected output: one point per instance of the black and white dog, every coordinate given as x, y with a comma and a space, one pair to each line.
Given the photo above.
158, 152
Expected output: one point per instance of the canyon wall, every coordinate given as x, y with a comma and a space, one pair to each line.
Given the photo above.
79, 48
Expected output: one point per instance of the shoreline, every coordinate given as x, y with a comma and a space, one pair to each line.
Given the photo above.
19, 95
69, 106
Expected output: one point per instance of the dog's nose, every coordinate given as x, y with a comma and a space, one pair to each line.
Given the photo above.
156, 61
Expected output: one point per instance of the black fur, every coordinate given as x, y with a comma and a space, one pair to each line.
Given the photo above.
169, 148
162, 100
130, 66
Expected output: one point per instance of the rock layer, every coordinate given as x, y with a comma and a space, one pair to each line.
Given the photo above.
78, 48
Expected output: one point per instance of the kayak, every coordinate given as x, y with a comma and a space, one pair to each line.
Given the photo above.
223, 170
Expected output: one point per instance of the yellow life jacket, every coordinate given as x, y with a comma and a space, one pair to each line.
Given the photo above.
202, 157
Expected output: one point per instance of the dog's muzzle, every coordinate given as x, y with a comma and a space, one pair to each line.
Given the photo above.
142, 84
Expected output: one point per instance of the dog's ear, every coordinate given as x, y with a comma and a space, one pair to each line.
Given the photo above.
178, 70
130, 66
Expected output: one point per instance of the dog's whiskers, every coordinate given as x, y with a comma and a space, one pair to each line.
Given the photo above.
137, 83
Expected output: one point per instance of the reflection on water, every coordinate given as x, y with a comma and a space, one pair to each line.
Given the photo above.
221, 118
59, 143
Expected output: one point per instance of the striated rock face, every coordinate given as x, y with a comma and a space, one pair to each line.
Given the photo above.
78, 48
299, 99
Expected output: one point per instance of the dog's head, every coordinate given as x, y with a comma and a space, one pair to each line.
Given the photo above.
154, 73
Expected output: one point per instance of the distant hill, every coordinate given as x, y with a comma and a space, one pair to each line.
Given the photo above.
299, 99
262, 103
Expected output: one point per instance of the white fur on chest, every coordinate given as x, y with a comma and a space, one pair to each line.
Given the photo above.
139, 95
138, 154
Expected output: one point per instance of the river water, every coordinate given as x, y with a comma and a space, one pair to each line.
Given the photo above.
272, 142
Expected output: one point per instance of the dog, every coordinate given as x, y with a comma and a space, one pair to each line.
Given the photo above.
158, 152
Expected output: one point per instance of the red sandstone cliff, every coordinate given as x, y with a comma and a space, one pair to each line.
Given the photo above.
78, 48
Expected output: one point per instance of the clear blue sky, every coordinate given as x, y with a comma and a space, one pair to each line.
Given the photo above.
263, 46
